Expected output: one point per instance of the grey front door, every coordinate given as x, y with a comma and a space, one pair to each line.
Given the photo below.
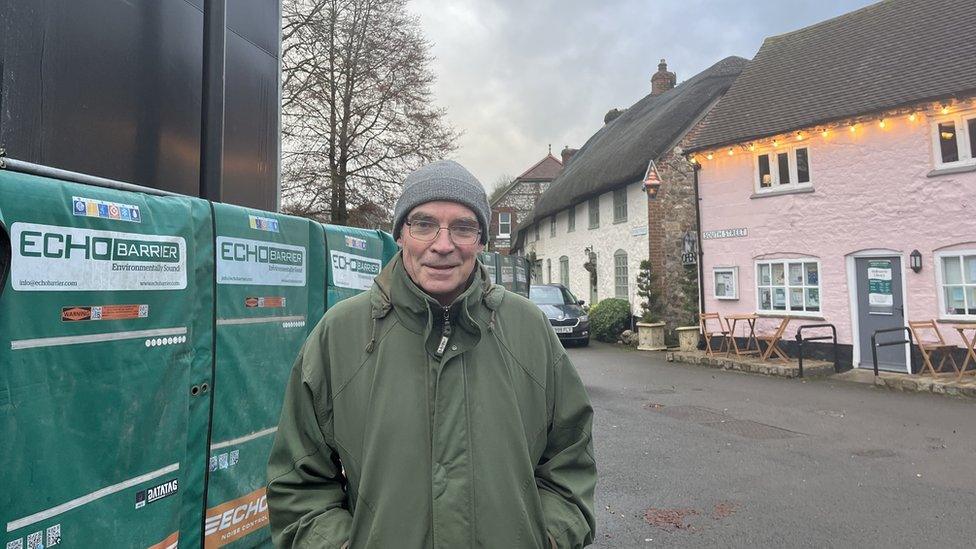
880, 306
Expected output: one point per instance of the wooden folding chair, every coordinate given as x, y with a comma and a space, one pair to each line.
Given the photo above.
723, 333
772, 342
929, 347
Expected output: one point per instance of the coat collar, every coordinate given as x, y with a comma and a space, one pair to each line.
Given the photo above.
393, 290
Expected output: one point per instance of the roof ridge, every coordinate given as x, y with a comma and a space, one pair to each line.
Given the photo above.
833, 19
537, 164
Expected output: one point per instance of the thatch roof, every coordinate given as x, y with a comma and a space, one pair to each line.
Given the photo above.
619, 152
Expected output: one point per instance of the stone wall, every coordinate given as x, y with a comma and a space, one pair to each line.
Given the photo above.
670, 216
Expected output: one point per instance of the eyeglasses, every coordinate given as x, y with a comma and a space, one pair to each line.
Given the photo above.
461, 235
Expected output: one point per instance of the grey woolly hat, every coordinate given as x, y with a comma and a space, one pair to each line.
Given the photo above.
442, 180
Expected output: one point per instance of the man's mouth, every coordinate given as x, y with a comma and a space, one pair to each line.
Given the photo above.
441, 267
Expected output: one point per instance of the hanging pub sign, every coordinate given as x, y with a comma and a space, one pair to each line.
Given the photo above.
652, 181
689, 248
880, 298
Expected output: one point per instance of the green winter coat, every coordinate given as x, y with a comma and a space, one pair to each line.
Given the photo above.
386, 443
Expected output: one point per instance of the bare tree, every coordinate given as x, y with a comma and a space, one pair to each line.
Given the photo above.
357, 111
502, 183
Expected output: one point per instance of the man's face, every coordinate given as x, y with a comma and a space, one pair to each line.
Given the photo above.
440, 266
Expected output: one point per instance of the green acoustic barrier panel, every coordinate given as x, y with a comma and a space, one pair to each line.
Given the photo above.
353, 258
263, 280
105, 351
490, 261
521, 276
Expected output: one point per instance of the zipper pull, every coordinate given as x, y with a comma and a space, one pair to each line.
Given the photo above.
445, 332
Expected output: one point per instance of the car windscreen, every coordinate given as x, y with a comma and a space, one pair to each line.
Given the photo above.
546, 295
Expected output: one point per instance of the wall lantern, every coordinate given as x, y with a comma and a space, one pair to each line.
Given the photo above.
915, 261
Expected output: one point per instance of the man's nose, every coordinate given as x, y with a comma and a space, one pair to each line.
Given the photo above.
443, 243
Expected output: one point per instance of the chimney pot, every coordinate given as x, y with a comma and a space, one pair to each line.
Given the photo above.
662, 80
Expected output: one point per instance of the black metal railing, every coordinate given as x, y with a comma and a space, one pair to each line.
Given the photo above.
910, 341
800, 340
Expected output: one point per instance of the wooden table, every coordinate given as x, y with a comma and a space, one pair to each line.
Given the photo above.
750, 320
970, 348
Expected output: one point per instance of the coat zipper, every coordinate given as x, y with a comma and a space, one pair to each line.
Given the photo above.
445, 332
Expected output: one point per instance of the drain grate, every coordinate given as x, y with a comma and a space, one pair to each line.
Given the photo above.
694, 413
751, 429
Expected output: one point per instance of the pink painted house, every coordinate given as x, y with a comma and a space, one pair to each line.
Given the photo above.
838, 178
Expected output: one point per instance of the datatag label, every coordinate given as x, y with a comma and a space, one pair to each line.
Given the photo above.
52, 258
257, 262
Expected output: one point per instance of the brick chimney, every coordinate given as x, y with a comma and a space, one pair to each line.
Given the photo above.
567, 154
662, 80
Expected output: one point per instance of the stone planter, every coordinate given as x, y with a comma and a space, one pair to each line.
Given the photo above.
650, 337
687, 338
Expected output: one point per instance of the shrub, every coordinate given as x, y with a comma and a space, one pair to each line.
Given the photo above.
651, 307
609, 318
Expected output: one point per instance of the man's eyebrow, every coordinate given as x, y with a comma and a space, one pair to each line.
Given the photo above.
421, 216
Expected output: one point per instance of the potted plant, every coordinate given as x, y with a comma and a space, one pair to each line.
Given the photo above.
688, 335
650, 329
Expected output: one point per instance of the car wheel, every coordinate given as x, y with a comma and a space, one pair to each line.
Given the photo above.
584, 342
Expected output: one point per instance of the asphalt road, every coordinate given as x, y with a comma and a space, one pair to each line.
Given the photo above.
689, 456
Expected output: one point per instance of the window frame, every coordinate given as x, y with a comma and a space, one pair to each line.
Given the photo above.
507, 234
794, 174
963, 139
564, 270
616, 275
571, 219
535, 229
788, 311
620, 205
944, 313
593, 205
552, 226
735, 283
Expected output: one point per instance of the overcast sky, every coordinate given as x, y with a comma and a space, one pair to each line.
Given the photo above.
517, 75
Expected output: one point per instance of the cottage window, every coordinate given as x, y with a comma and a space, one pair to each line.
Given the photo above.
788, 286
535, 229
594, 212
571, 221
552, 226
564, 271
620, 205
957, 280
504, 224
954, 141
620, 289
726, 282
783, 170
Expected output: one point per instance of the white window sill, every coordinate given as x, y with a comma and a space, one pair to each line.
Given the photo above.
803, 315
947, 170
725, 298
778, 192
968, 319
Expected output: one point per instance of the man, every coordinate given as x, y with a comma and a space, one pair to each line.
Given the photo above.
435, 410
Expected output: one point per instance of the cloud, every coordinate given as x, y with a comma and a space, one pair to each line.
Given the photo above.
518, 75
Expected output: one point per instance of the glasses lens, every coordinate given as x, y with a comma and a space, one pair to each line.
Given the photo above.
423, 230
464, 234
